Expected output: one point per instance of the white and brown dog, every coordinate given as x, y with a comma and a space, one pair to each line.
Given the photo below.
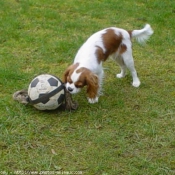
87, 69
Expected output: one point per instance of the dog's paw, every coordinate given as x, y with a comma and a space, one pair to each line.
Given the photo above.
93, 100
136, 83
120, 75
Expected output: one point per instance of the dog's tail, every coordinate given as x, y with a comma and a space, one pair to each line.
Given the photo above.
142, 35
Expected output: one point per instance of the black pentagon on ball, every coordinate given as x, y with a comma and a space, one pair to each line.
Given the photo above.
52, 81
34, 83
45, 100
61, 98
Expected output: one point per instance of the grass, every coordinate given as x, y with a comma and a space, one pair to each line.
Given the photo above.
130, 131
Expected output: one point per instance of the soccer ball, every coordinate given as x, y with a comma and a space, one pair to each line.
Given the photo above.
46, 92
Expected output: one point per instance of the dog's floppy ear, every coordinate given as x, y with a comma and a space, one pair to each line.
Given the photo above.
66, 73
92, 84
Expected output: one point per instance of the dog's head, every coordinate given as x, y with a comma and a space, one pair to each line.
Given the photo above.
76, 77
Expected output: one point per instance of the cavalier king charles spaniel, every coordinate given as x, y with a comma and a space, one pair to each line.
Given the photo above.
87, 69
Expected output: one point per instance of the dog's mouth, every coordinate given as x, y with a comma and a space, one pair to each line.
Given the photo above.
73, 90
70, 89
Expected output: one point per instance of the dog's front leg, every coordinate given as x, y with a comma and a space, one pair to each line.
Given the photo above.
92, 82
93, 100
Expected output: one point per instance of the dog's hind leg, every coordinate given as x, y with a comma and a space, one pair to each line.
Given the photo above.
129, 63
123, 67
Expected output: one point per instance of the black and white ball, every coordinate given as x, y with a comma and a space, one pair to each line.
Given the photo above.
46, 92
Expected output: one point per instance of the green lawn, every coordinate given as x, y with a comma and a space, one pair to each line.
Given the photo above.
131, 131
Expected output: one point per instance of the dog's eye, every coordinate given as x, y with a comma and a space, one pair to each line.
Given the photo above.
69, 80
79, 84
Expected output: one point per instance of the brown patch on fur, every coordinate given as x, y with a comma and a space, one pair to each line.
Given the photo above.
81, 69
68, 73
90, 79
123, 48
100, 54
111, 42
130, 33
92, 85
82, 80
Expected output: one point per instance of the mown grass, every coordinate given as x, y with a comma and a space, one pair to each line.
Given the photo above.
130, 131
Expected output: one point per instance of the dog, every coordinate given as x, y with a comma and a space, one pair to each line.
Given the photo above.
87, 69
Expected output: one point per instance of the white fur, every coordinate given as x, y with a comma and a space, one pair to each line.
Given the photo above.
86, 56
143, 35
93, 100
126, 59
74, 77
72, 86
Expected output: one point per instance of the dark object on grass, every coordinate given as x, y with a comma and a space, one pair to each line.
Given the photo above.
69, 103
22, 97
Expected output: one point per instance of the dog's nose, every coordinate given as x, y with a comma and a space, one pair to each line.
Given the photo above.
70, 89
